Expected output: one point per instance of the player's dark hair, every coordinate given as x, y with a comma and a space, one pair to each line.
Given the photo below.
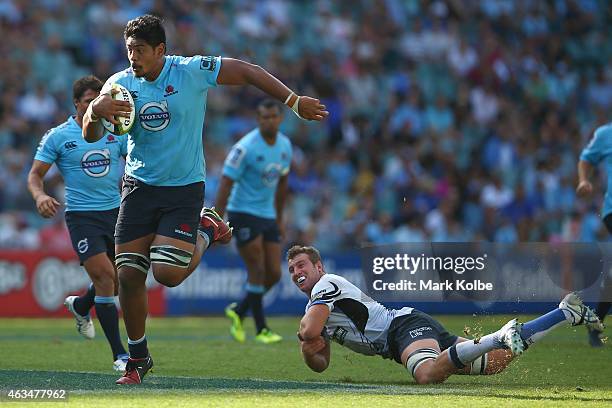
312, 252
84, 84
269, 103
148, 28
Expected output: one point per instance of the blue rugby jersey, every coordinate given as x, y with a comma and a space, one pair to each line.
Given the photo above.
599, 150
165, 143
255, 166
91, 171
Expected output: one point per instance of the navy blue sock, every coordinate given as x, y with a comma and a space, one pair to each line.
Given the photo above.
255, 297
83, 303
537, 328
109, 320
138, 348
243, 306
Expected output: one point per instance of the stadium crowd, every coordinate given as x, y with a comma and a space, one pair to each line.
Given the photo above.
449, 120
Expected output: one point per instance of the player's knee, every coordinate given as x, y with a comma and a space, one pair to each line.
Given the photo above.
102, 278
104, 284
420, 364
168, 276
130, 278
130, 263
319, 369
171, 256
132, 269
170, 264
167, 258
168, 281
427, 376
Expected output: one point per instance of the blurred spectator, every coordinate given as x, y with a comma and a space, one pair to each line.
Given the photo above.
16, 233
451, 120
55, 236
462, 58
37, 105
495, 194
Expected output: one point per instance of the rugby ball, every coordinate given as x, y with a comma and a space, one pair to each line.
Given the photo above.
125, 124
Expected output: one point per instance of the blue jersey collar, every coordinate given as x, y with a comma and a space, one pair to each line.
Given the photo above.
72, 121
263, 139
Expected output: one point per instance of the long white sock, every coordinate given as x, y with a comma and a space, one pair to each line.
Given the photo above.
470, 350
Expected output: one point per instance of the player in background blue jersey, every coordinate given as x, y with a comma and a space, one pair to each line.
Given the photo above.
253, 188
159, 223
91, 174
599, 150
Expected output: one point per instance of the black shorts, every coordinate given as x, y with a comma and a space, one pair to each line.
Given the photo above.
247, 227
92, 232
169, 211
407, 329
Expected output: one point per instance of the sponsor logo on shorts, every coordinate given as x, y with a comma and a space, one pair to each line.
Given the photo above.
339, 335
184, 229
83, 246
419, 332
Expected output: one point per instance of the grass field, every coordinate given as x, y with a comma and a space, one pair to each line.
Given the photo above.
196, 364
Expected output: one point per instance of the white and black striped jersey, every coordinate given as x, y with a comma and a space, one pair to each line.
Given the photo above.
356, 321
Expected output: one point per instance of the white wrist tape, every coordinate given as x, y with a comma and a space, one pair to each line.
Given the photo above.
295, 106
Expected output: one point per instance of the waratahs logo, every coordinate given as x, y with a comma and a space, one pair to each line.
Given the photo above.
154, 116
96, 163
271, 174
